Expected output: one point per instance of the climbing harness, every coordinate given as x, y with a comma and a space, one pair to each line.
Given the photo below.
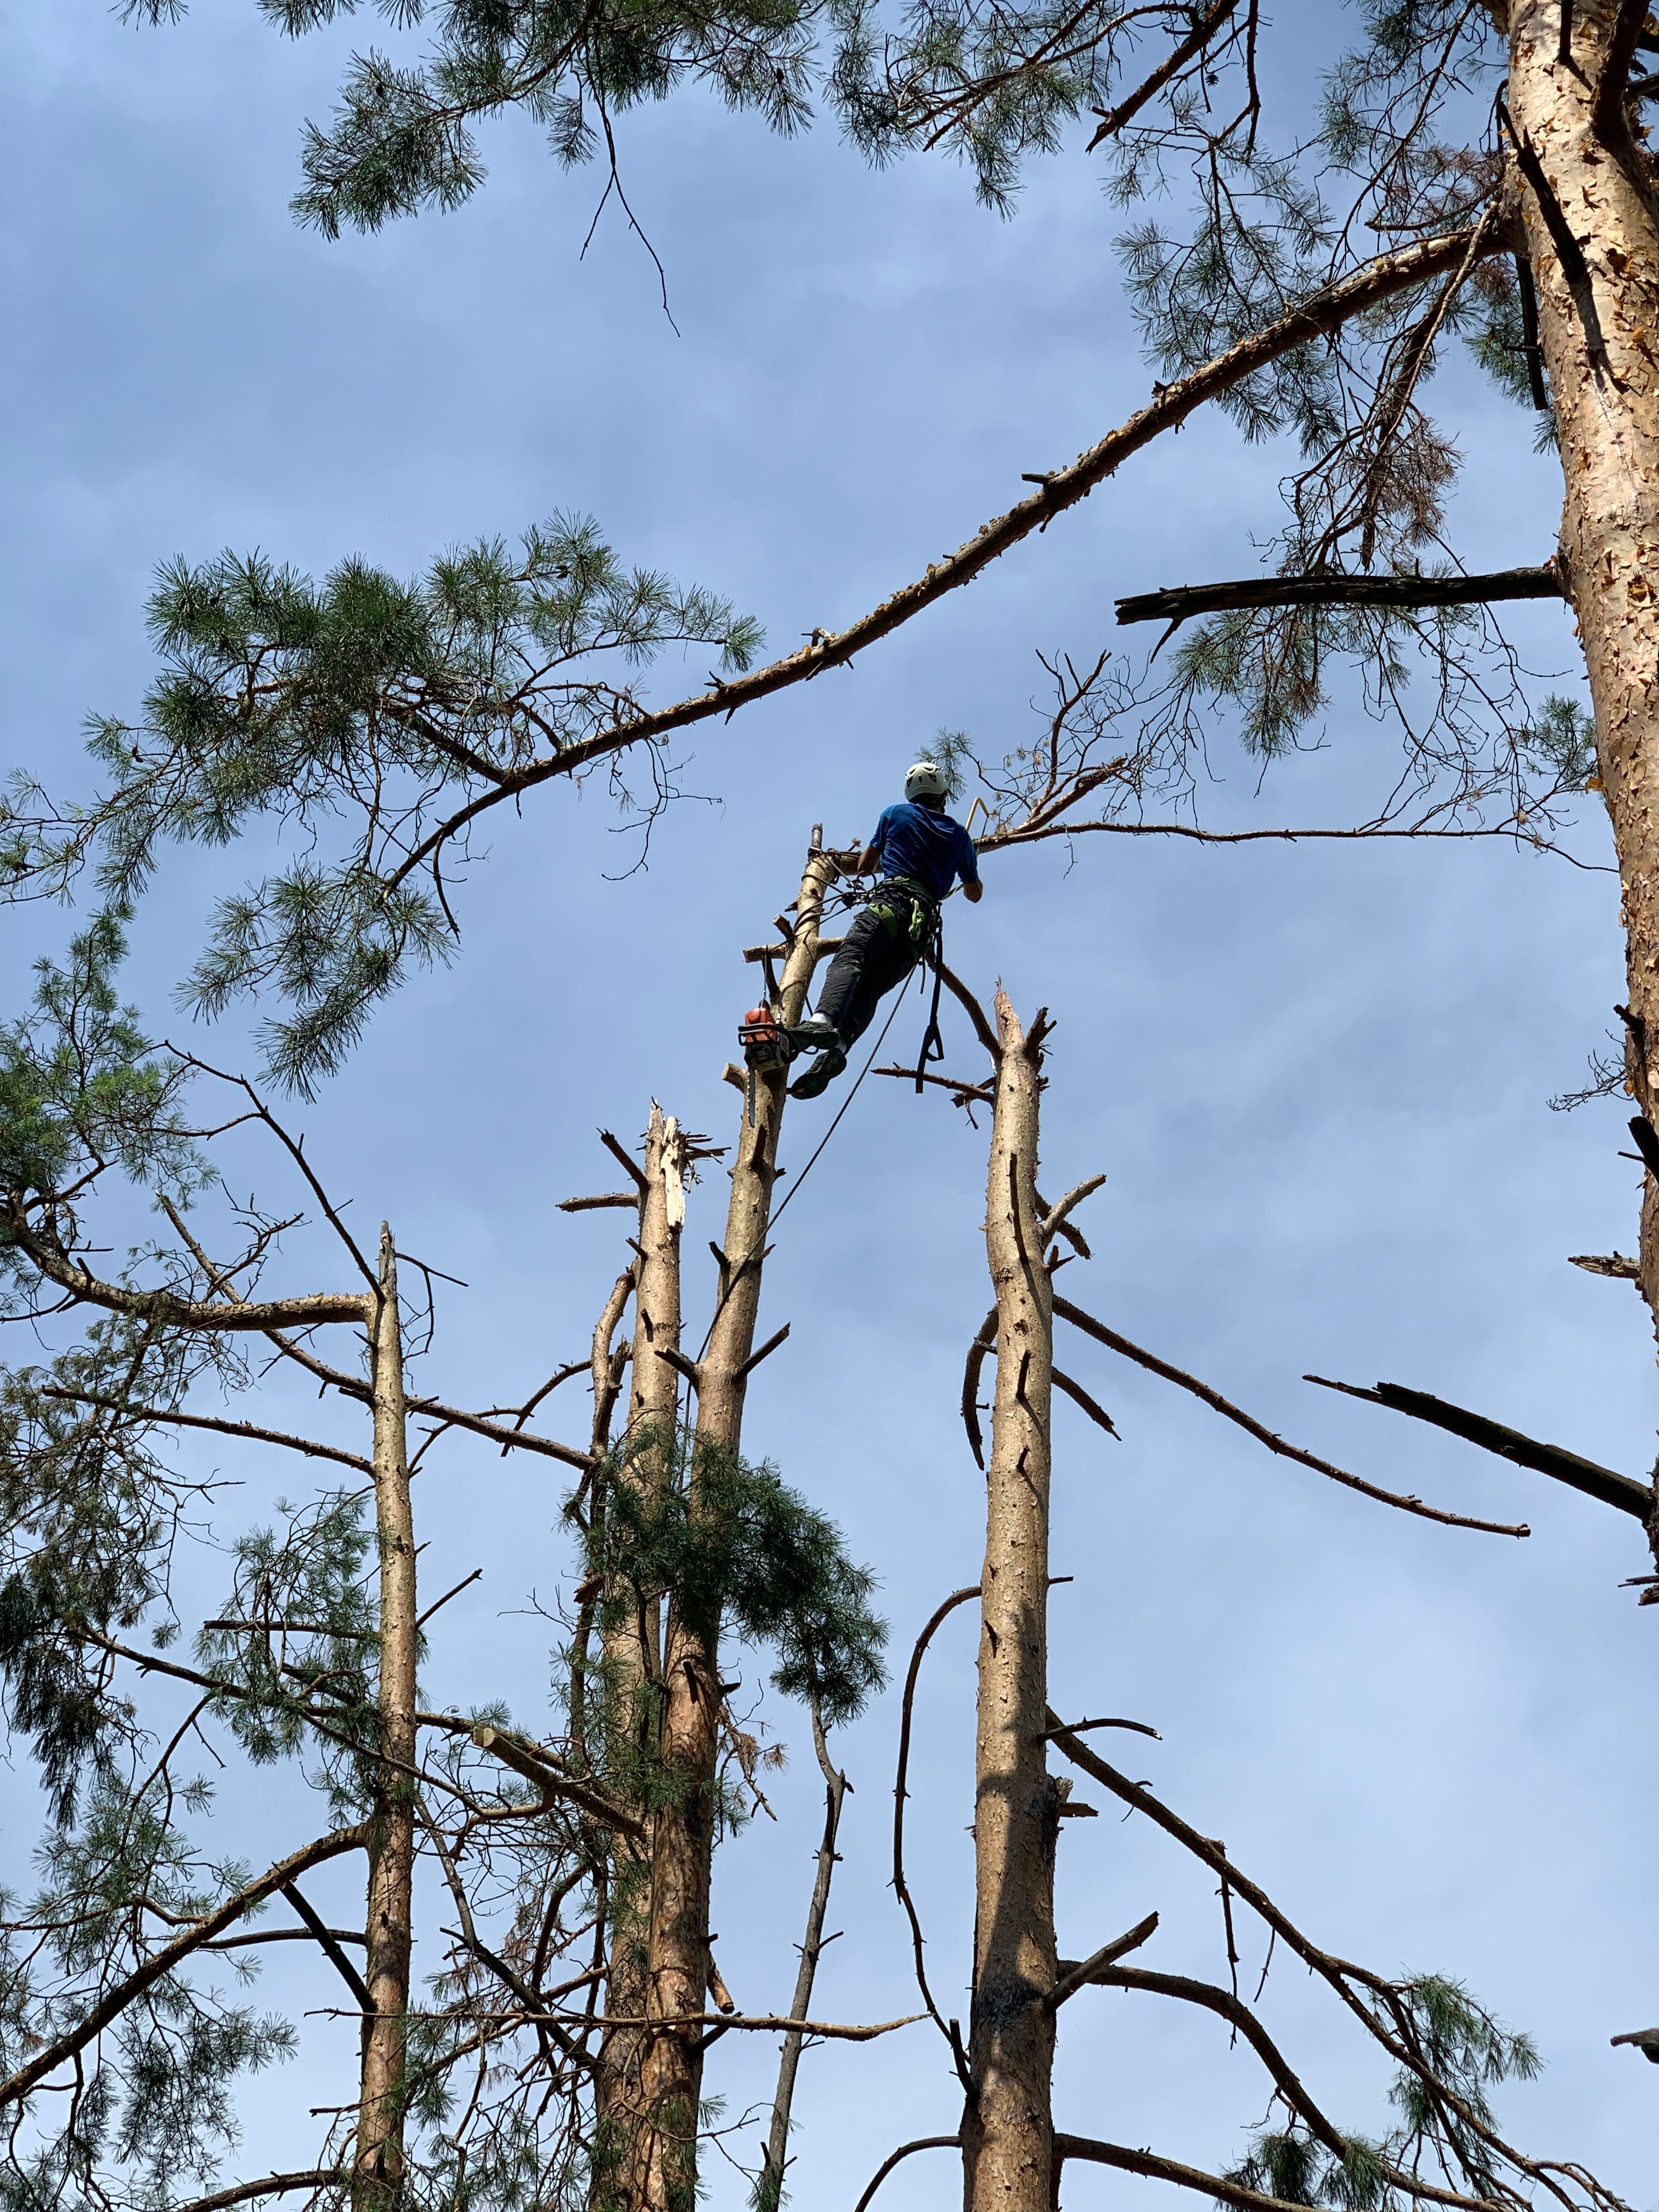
932, 1043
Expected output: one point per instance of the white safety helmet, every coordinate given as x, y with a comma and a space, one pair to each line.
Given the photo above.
926, 779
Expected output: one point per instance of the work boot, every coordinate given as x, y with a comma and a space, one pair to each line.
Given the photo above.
821, 1074
815, 1031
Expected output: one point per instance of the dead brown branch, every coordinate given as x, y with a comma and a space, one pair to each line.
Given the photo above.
173, 1418
1274, 1443
1075, 1974
1076, 1392
900, 1886
274, 2185
1335, 589
983, 1343
1150, 86
1618, 1491
1323, 313
904, 2151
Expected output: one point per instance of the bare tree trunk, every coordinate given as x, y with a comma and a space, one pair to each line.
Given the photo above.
1007, 2131
768, 2193
633, 1648
1591, 237
665, 2176
378, 2165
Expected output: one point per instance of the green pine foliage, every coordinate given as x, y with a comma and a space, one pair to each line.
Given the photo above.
91, 1511
372, 721
1459, 2052
305, 1644
992, 83
118, 1713
732, 1541
359, 715
81, 1091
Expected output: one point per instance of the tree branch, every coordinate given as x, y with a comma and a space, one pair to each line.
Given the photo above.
274, 2185
1341, 1976
620, 1151
984, 1342
755, 1359
552, 1779
1618, 1491
1076, 1391
114, 2001
1337, 590
1055, 1217
1239, 2016
900, 1886
1077, 1972
905, 2150
1149, 87
175, 1418
1147, 2163
976, 1012
1276, 1445
167, 1307
959, 1086
1324, 312
331, 1951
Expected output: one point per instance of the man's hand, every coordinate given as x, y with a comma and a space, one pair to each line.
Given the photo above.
974, 892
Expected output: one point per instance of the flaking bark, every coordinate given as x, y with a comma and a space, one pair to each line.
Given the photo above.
1604, 380
1007, 2131
632, 1653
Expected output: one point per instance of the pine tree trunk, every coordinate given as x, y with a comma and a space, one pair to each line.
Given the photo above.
1599, 341
378, 2163
666, 2177
1007, 2133
632, 1653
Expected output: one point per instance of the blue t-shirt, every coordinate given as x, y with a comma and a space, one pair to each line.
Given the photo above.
913, 841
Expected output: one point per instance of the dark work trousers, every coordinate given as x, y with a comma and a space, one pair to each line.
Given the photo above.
872, 958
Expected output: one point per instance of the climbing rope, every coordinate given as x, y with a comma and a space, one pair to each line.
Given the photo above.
773, 1219
904, 993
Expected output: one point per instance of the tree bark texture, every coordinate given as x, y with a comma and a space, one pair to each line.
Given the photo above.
683, 1843
1599, 335
377, 2178
1007, 2131
633, 1654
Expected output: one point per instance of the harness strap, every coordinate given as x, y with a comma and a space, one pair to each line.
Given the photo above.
906, 909
932, 1043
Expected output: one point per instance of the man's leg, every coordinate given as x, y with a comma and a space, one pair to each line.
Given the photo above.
870, 962
856, 979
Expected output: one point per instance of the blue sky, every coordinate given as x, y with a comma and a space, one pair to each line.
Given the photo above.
1315, 1076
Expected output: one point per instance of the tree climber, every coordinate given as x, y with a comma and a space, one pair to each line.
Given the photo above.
920, 851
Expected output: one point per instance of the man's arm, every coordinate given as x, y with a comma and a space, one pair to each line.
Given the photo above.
866, 862
968, 868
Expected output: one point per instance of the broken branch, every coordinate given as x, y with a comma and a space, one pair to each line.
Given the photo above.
1338, 590
1075, 1974
1618, 1491
1276, 1445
